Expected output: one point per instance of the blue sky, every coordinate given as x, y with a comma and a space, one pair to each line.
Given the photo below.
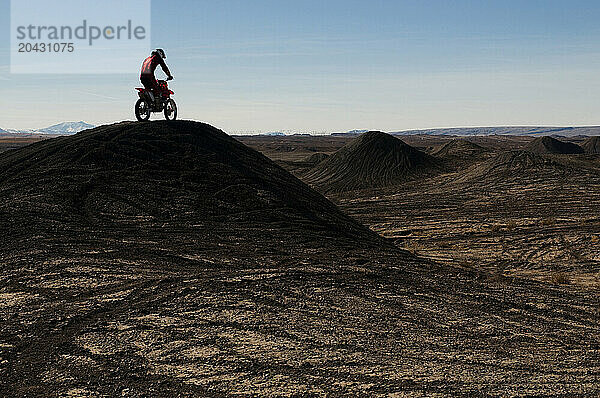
332, 65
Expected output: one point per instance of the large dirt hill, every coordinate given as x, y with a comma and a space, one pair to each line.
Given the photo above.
185, 182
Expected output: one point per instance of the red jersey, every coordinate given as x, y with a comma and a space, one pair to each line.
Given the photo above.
150, 64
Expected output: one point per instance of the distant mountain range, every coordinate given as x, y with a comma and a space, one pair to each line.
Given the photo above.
66, 128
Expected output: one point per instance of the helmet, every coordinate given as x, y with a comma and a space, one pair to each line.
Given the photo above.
160, 52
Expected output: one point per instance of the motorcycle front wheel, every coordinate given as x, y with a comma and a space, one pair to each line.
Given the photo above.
170, 110
142, 110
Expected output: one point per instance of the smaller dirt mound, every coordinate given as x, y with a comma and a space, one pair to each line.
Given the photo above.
373, 160
552, 145
316, 158
592, 145
460, 152
459, 148
512, 164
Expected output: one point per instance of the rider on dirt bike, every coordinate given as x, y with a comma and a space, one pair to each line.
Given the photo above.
149, 66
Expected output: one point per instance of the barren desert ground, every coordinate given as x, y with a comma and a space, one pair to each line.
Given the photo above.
169, 259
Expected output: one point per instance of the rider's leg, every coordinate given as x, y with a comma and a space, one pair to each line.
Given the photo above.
155, 89
150, 84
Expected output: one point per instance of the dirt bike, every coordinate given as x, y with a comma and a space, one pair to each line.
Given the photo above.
149, 103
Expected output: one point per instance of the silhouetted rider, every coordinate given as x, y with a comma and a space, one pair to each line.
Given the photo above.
149, 66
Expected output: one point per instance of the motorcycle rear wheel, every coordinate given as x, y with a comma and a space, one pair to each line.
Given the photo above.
142, 110
170, 110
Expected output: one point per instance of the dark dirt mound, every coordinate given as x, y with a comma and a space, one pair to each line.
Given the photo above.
552, 145
372, 160
591, 145
157, 177
460, 154
512, 164
316, 158
460, 148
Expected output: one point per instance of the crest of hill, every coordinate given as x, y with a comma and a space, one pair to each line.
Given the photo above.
372, 160
592, 145
186, 176
544, 145
459, 148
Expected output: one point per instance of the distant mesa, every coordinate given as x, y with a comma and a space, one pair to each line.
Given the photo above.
592, 145
273, 134
372, 160
549, 145
182, 181
508, 130
356, 132
460, 148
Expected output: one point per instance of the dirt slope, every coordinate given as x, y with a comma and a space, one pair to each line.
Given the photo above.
592, 145
552, 145
316, 158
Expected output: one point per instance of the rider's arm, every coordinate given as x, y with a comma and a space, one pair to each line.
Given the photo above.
164, 67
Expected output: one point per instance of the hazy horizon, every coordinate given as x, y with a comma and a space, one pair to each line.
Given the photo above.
292, 132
